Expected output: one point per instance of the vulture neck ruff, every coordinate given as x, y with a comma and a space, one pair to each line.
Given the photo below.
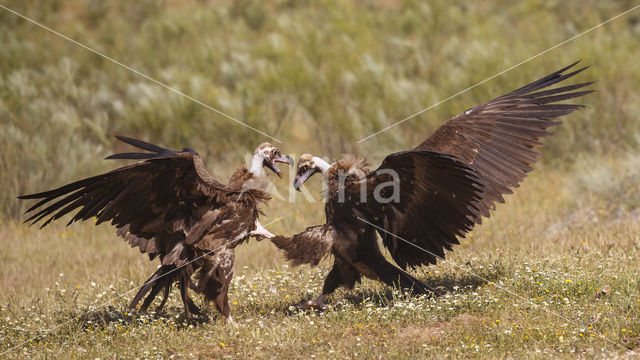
256, 164
321, 164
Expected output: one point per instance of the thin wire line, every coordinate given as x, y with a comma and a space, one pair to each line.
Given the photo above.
118, 296
141, 74
496, 75
498, 286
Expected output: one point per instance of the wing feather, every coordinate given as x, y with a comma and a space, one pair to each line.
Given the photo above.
435, 204
145, 199
498, 139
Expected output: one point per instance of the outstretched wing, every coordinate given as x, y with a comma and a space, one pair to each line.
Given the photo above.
309, 246
498, 138
421, 197
161, 197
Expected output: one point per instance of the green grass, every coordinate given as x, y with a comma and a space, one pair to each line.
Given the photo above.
320, 76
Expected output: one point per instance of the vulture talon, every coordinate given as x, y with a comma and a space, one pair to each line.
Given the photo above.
306, 305
261, 233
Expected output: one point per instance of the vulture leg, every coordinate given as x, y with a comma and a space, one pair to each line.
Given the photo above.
225, 271
222, 304
185, 296
342, 274
193, 307
188, 271
215, 275
190, 307
165, 296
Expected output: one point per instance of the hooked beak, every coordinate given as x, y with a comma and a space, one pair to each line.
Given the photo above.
282, 159
301, 178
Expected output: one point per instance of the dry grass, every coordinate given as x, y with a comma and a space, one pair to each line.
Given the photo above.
557, 269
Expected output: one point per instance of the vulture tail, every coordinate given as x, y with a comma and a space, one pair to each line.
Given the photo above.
165, 283
162, 279
151, 284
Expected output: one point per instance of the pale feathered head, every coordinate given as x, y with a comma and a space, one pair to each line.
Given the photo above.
267, 155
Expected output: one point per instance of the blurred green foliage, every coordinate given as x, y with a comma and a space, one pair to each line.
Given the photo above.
318, 75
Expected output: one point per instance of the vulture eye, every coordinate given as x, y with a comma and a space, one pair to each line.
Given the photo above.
304, 168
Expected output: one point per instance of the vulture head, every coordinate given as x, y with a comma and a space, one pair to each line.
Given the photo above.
268, 155
307, 166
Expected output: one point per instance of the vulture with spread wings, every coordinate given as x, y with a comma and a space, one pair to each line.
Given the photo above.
169, 207
419, 201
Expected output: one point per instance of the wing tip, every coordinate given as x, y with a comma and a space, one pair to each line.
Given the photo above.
30, 196
559, 72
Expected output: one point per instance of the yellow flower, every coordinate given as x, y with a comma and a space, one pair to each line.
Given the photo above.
222, 344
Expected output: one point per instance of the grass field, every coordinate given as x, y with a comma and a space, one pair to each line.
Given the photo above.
553, 273
556, 275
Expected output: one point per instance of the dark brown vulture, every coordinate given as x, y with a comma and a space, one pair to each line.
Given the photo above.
421, 200
169, 207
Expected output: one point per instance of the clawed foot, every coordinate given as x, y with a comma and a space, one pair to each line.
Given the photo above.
261, 236
310, 305
260, 232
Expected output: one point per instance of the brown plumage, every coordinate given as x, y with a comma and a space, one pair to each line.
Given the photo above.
168, 206
444, 187
307, 247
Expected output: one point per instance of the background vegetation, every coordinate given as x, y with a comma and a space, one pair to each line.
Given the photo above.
320, 75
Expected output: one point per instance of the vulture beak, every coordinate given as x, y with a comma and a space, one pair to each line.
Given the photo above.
302, 177
282, 159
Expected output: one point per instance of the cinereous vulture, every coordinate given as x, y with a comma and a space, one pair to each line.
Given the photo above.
168, 206
420, 200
